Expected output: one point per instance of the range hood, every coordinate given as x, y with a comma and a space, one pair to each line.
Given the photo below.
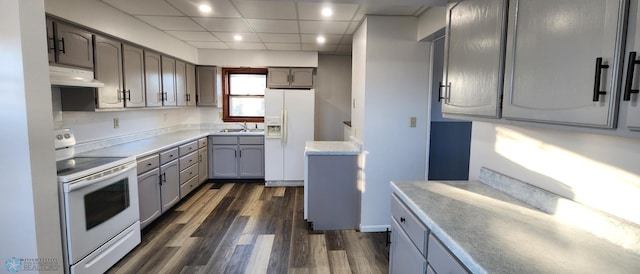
73, 77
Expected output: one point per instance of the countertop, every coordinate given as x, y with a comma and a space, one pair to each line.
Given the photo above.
492, 232
144, 147
330, 148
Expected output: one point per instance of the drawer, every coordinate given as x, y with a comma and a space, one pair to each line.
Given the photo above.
188, 173
440, 259
188, 148
404, 257
148, 163
168, 155
251, 140
224, 140
202, 142
187, 161
410, 224
188, 186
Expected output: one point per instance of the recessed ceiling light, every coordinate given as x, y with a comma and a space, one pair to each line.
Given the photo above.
204, 8
326, 12
237, 37
321, 39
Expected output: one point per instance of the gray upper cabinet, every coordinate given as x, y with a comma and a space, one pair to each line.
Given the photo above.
563, 61
631, 96
153, 79
191, 84
168, 81
108, 69
133, 69
206, 86
69, 45
181, 83
290, 78
474, 58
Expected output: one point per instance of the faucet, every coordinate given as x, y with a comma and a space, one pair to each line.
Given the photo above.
244, 126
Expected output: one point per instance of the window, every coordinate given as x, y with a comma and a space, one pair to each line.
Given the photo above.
243, 94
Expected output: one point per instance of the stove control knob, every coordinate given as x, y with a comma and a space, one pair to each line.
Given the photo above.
59, 137
67, 136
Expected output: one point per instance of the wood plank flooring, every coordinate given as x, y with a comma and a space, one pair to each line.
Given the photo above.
249, 228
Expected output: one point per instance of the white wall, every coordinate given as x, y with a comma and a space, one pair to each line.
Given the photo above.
333, 96
396, 87
31, 222
431, 21
257, 58
600, 171
97, 15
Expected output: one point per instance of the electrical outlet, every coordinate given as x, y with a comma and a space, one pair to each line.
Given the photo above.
412, 121
116, 123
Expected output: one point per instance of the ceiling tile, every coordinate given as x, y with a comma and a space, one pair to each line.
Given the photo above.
171, 23
144, 7
221, 8
274, 26
193, 35
384, 9
279, 38
323, 27
266, 9
223, 24
311, 11
247, 37
330, 38
282, 46
242, 45
209, 45
318, 47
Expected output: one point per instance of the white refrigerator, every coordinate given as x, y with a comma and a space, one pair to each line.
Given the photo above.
289, 118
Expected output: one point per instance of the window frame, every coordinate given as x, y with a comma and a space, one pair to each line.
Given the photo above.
226, 94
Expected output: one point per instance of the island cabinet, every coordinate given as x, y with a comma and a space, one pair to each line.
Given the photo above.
414, 249
474, 58
237, 157
564, 60
69, 45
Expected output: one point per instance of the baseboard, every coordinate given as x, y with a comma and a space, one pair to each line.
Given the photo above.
374, 228
283, 183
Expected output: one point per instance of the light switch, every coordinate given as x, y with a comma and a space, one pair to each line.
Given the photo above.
412, 121
116, 123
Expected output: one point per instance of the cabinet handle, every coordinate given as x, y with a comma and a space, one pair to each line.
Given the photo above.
53, 46
440, 97
163, 178
402, 219
631, 65
235, 154
128, 95
596, 85
63, 47
240, 153
120, 93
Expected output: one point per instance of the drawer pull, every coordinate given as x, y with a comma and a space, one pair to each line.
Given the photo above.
148, 164
402, 219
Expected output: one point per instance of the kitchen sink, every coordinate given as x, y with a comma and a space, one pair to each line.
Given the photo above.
241, 130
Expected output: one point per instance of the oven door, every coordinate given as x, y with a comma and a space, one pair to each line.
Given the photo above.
98, 207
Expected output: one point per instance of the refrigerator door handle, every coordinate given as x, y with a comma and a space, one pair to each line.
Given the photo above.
285, 126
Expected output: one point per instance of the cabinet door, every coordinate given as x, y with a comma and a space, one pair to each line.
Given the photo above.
404, 257
474, 57
133, 69
251, 161
75, 46
181, 83
206, 81
203, 165
149, 196
302, 77
51, 50
224, 161
170, 184
278, 78
552, 53
108, 70
632, 81
168, 80
153, 79
191, 84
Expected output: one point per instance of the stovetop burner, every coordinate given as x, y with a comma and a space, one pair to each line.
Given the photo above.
80, 164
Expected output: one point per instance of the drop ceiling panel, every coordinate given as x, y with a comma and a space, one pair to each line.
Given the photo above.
266, 9
223, 24
193, 35
312, 11
279, 38
323, 27
244, 45
209, 45
171, 23
274, 26
283, 46
329, 39
144, 7
247, 37
220, 8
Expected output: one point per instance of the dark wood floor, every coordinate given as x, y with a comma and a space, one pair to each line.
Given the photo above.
249, 228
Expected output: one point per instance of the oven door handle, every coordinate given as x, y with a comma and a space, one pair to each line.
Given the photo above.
76, 186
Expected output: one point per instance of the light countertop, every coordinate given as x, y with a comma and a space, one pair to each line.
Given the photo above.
491, 232
330, 148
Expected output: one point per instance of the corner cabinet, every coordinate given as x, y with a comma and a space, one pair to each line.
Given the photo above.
237, 157
290, 78
206, 86
474, 58
563, 61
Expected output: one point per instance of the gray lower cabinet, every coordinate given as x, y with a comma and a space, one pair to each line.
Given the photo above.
237, 157
188, 168
149, 196
403, 255
170, 184
203, 160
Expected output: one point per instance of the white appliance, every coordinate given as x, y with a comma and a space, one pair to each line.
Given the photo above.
99, 204
289, 122
73, 77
